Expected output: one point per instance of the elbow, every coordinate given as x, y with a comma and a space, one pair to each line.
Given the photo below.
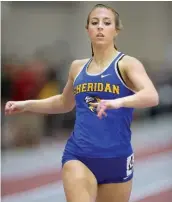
154, 99
68, 109
67, 104
157, 99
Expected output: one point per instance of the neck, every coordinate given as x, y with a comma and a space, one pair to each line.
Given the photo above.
103, 55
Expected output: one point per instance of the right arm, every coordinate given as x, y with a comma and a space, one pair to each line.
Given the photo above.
57, 104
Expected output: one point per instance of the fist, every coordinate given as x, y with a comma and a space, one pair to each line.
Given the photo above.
13, 107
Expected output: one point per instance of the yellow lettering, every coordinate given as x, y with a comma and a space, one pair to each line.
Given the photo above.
100, 87
84, 87
95, 86
115, 89
78, 88
90, 87
108, 88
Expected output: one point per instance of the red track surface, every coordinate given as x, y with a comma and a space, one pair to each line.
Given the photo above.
17, 185
160, 197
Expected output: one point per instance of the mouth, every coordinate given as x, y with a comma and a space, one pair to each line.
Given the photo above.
100, 35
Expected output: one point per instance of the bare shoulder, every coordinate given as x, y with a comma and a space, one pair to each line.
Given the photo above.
76, 66
129, 62
132, 71
79, 63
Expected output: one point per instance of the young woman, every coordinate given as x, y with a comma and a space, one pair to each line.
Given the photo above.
97, 162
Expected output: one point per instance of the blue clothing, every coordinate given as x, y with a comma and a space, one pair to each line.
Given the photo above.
107, 137
106, 170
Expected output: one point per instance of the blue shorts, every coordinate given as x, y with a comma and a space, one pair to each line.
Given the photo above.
106, 170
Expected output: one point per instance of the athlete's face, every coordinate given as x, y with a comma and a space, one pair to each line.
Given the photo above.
101, 28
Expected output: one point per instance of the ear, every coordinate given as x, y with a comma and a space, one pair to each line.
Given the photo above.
87, 30
116, 32
86, 27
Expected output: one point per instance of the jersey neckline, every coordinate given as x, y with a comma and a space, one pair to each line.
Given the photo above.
90, 74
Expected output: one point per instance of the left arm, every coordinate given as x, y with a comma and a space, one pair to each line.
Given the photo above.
146, 94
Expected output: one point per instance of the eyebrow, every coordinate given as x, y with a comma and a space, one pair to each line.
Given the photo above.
95, 18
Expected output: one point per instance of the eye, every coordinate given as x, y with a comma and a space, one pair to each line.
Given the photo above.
107, 23
94, 23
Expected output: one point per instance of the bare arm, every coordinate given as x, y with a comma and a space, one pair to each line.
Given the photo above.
137, 78
53, 105
61, 103
146, 94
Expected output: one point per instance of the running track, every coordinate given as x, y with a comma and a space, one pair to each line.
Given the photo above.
34, 174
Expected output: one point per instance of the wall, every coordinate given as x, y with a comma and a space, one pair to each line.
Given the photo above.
58, 29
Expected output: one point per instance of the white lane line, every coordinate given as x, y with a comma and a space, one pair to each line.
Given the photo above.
151, 176
151, 189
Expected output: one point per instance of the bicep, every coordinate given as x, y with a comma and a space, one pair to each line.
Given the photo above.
68, 93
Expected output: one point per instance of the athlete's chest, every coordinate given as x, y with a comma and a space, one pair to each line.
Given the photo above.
103, 85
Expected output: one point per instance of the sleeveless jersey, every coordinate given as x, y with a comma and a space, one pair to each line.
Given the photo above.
107, 137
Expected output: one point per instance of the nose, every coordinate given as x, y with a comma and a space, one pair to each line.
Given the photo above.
100, 26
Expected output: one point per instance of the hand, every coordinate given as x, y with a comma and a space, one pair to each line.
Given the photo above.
103, 105
13, 107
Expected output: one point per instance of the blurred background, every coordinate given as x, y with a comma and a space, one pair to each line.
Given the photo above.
39, 40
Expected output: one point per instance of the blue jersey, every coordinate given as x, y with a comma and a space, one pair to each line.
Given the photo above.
111, 135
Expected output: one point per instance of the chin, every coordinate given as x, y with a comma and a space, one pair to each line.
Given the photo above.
100, 43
